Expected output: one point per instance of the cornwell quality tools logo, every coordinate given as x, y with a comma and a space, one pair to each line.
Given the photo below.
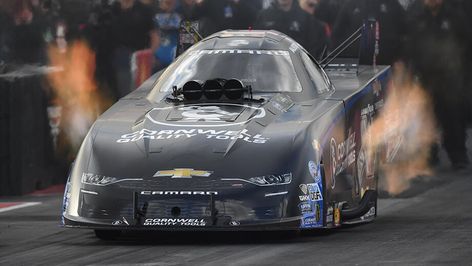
343, 155
183, 193
213, 134
174, 222
183, 173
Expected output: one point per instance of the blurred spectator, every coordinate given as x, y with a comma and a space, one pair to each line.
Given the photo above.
220, 15
186, 9
98, 33
437, 45
388, 13
328, 10
25, 39
286, 16
75, 15
168, 21
311, 7
132, 29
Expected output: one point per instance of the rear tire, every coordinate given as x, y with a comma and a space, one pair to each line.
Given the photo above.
107, 234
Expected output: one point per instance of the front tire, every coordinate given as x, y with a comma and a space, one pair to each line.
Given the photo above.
107, 234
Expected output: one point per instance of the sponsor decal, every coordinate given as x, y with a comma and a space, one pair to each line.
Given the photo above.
312, 220
312, 196
311, 203
342, 155
369, 214
306, 207
174, 222
182, 173
234, 223
315, 171
329, 215
337, 216
317, 212
203, 193
311, 192
123, 221
303, 188
309, 221
191, 133
365, 162
117, 222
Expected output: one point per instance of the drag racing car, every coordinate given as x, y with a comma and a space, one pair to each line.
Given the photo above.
244, 131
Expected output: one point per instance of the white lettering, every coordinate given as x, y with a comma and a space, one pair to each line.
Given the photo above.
207, 133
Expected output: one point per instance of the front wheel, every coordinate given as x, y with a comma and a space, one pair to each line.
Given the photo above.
107, 234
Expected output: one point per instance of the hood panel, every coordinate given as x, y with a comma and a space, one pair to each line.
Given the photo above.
250, 137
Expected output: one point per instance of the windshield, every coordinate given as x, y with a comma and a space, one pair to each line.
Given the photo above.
264, 70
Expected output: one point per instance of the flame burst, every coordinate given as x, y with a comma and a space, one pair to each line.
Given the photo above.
405, 131
76, 90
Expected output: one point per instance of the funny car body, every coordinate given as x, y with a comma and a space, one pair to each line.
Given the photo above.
244, 131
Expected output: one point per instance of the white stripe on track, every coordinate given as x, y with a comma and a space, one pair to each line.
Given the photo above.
19, 206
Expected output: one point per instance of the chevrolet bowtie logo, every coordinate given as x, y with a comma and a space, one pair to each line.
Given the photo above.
182, 173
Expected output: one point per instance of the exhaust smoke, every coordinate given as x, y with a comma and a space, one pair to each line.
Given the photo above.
75, 90
404, 131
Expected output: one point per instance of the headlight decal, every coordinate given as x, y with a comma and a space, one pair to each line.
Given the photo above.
101, 180
266, 180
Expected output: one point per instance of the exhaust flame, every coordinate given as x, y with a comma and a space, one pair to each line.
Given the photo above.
405, 130
76, 90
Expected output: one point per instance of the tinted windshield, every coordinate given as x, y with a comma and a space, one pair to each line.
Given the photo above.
264, 70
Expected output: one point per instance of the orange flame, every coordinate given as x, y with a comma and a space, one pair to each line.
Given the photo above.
76, 90
406, 130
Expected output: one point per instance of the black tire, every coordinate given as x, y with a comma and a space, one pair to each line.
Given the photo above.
107, 234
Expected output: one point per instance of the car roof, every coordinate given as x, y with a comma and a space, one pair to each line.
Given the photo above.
248, 39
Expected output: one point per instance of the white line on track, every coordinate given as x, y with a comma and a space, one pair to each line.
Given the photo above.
19, 206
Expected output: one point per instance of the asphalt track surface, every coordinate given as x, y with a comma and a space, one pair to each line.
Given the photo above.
430, 224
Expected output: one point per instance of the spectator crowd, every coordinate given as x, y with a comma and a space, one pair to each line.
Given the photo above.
432, 37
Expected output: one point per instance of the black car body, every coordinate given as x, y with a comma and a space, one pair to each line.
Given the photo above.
288, 156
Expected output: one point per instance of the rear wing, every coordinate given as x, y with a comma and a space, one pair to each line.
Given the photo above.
369, 35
